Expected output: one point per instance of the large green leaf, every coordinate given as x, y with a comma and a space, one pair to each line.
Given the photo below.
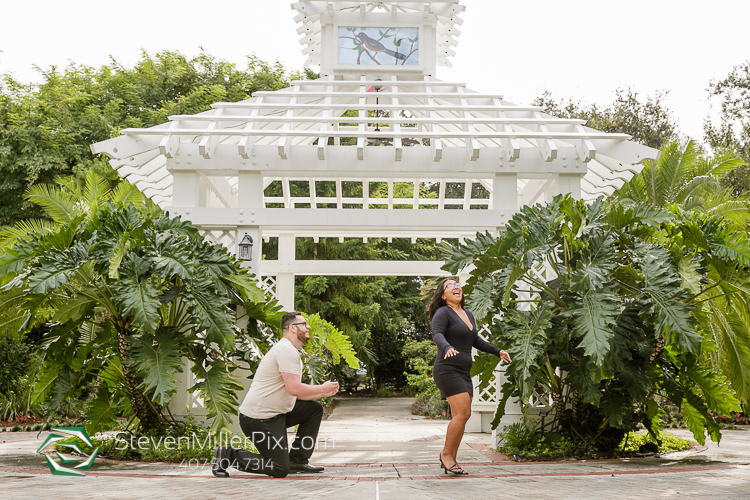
524, 334
484, 366
218, 388
45, 379
137, 295
485, 296
663, 297
594, 266
57, 267
717, 393
12, 314
462, 255
75, 309
247, 287
593, 316
157, 359
102, 411
210, 313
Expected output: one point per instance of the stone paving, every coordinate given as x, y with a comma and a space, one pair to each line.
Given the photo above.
375, 449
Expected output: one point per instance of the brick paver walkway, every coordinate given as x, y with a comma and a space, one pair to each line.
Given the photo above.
394, 457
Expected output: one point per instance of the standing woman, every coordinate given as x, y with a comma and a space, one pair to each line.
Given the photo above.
454, 330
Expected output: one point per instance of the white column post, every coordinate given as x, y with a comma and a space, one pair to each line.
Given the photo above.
285, 278
184, 189
570, 183
505, 193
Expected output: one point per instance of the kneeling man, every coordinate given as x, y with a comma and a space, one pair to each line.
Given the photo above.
277, 400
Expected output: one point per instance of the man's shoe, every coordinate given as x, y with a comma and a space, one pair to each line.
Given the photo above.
217, 469
305, 468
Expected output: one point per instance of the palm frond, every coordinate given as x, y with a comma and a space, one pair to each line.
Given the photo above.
61, 205
10, 234
95, 190
126, 193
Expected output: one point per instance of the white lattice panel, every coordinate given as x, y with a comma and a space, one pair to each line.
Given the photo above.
484, 331
225, 237
540, 400
268, 284
488, 394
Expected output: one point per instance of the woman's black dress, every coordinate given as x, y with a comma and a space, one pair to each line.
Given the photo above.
449, 330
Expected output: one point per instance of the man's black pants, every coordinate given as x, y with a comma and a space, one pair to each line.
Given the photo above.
269, 436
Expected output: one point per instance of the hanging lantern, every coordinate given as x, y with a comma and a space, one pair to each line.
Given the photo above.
246, 247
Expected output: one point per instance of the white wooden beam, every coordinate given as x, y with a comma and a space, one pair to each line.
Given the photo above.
220, 188
396, 127
246, 142
313, 193
356, 267
323, 139
208, 143
586, 148
436, 144
361, 138
467, 194
286, 141
169, 144
472, 146
547, 147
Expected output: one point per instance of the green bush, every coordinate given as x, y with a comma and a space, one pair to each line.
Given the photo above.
17, 360
522, 440
669, 442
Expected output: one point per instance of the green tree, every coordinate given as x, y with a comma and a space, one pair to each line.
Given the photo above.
619, 311
46, 129
684, 175
648, 121
126, 293
732, 132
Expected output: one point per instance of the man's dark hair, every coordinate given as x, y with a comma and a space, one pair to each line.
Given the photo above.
288, 318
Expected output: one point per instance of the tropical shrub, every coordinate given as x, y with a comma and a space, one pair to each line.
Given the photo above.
604, 307
16, 360
127, 293
666, 442
325, 350
522, 441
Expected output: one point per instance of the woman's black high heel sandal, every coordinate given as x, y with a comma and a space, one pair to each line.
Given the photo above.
453, 469
456, 469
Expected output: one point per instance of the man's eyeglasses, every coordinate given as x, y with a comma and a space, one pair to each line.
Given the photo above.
452, 286
302, 323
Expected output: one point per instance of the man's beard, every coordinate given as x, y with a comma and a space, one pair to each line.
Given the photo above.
302, 336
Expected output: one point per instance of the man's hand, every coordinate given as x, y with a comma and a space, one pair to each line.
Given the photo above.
330, 388
296, 388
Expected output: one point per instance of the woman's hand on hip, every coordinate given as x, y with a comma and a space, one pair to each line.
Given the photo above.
450, 352
504, 356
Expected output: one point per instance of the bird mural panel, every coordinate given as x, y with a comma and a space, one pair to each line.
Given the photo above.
378, 46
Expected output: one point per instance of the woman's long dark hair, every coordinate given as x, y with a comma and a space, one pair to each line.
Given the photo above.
437, 298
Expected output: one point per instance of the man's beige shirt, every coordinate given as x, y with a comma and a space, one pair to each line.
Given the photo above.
268, 396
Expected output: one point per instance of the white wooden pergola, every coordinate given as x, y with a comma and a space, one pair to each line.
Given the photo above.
214, 168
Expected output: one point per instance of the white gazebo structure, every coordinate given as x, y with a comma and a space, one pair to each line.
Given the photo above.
377, 114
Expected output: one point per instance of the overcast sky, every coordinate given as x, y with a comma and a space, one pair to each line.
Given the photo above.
583, 49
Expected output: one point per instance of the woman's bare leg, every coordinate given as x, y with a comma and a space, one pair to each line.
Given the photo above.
460, 413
